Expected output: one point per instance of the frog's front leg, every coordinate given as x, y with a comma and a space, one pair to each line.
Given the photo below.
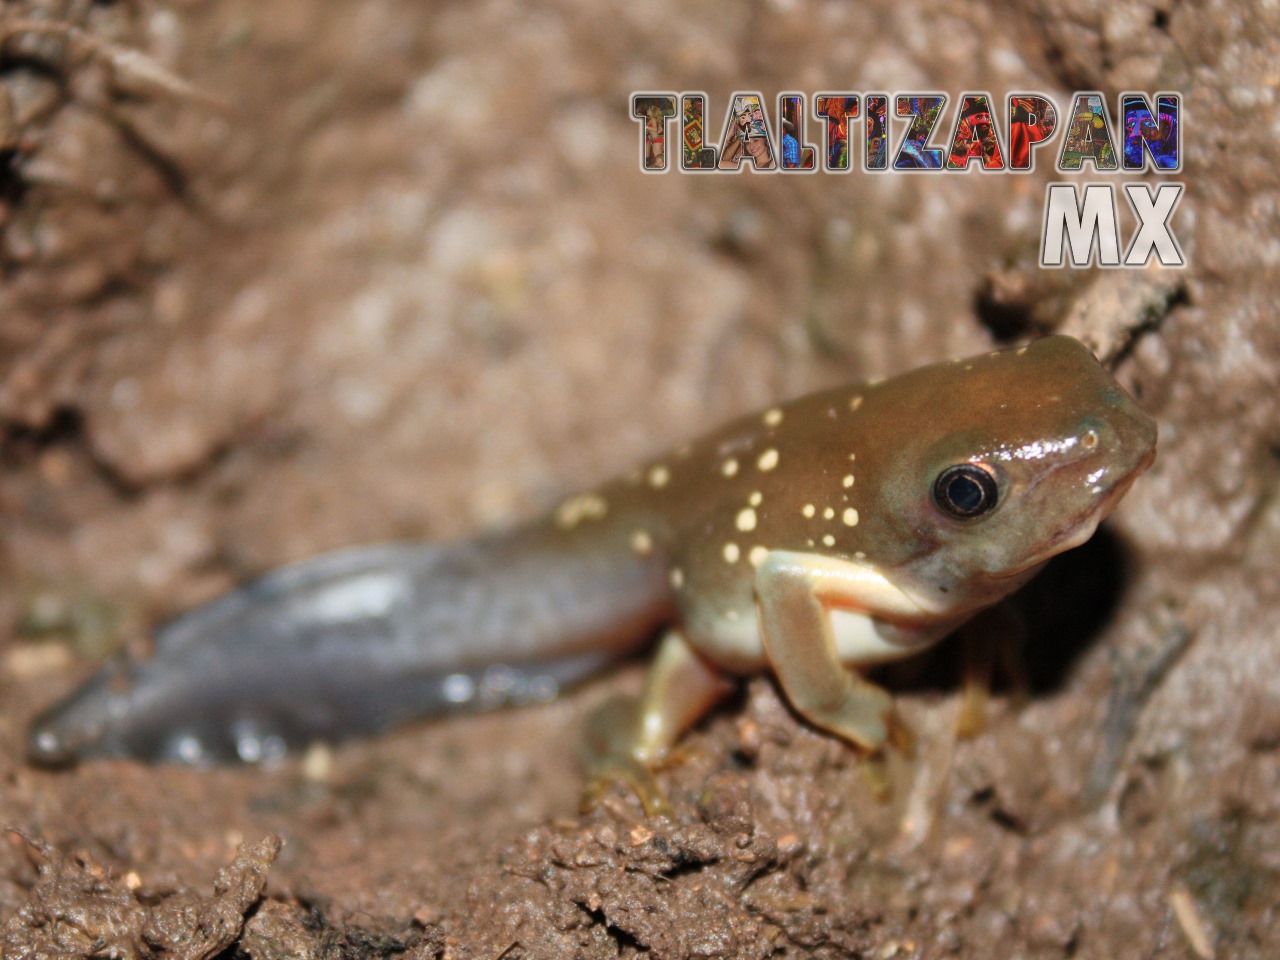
818, 614
626, 738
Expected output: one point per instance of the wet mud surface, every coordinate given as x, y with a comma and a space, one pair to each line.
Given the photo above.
279, 278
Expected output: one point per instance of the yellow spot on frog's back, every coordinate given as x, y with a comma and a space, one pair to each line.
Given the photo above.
584, 506
729, 468
848, 480
658, 476
731, 553
768, 460
746, 520
850, 517
772, 417
828, 514
641, 542
757, 555
676, 576
856, 402
755, 499
809, 510
828, 540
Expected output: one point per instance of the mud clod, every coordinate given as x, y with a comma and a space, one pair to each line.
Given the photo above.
78, 908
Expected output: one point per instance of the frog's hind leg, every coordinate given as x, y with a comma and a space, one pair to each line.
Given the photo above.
626, 737
996, 635
975, 686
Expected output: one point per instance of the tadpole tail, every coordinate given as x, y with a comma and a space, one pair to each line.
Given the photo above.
359, 641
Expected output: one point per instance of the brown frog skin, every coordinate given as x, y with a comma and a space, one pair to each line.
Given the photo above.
839, 530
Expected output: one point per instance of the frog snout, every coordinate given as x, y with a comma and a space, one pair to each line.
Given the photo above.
1139, 427
1145, 433
1125, 437
1136, 431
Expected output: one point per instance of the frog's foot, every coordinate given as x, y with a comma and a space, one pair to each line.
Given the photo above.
876, 776
864, 715
1010, 648
861, 714
901, 737
975, 692
609, 760
998, 632
627, 738
875, 764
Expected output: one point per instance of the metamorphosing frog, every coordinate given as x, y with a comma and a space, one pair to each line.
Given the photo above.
843, 529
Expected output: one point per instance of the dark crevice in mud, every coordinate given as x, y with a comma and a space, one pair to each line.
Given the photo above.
1007, 321
1071, 76
988, 800
1134, 680
176, 180
1069, 604
334, 940
16, 61
13, 185
1061, 613
115, 287
20, 443
621, 937
1019, 306
1151, 321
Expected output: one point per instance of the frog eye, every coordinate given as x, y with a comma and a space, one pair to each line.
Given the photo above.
965, 491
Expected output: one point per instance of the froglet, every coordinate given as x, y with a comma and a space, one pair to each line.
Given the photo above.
840, 530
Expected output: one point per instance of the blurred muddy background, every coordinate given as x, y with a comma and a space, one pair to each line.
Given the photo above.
284, 277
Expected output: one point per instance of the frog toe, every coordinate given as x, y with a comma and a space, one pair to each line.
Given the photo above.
630, 774
610, 760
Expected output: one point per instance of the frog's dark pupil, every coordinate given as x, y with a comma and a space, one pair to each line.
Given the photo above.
965, 495
965, 491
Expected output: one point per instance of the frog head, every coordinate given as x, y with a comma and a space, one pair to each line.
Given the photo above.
997, 464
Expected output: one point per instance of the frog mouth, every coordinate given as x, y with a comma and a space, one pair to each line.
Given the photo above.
1085, 524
